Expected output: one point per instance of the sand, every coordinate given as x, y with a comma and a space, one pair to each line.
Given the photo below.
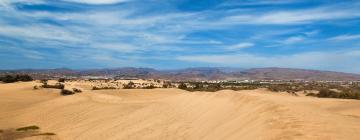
173, 114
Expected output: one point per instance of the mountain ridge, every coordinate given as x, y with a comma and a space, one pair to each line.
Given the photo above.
196, 73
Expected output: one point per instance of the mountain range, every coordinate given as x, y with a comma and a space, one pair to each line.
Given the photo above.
197, 73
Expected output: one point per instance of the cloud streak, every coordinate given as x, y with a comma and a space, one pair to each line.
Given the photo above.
123, 31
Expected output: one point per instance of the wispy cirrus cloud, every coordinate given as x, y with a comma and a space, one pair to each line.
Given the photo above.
240, 46
345, 37
293, 39
302, 16
153, 34
97, 1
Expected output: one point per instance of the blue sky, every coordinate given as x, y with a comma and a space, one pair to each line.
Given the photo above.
169, 34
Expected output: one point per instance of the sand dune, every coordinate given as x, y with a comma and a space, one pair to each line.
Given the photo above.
172, 114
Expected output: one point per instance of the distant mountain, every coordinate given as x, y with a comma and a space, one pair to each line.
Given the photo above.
291, 74
197, 73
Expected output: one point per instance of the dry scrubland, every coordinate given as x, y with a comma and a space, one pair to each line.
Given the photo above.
172, 114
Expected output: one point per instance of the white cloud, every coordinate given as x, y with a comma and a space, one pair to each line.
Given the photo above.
296, 16
345, 37
97, 1
293, 40
42, 32
312, 33
240, 46
118, 47
27, 53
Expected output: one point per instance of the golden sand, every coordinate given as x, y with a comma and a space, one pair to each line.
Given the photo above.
173, 114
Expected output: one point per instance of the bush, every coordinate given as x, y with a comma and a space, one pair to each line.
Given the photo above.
100, 88
166, 85
56, 86
16, 78
66, 92
36, 87
76, 90
130, 85
182, 86
150, 87
62, 80
326, 93
44, 134
311, 94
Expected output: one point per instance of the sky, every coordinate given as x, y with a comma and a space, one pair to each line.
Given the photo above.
172, 34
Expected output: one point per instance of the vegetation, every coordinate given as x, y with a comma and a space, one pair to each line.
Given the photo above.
62, 80
15, 78
338, 90
130, 85
23, 133
36, 87
76, 90
149, 87
326, 93
67, 92
167, 85
182, 86
44, 134
56, 86
100, 88
32, 127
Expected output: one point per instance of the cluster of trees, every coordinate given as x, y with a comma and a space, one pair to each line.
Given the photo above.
15, 78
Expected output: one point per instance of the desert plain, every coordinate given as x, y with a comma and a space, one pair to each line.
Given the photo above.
174, 114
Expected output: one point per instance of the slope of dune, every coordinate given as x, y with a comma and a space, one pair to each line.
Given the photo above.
173, 114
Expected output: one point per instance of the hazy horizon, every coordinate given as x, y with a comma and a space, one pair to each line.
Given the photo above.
177, 34
171, 69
